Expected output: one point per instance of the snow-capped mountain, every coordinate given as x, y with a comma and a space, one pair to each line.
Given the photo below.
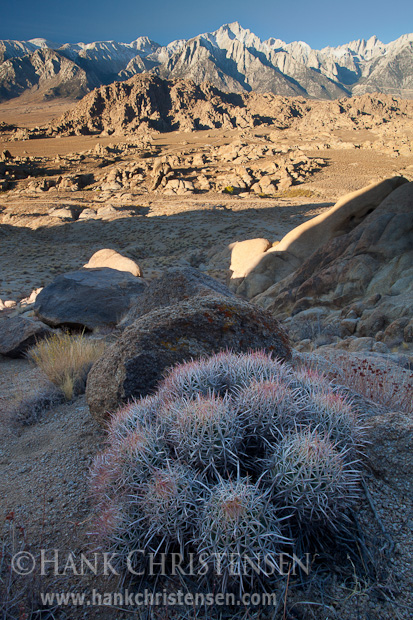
232, 58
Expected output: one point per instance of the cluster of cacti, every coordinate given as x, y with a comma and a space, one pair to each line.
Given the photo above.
234, 457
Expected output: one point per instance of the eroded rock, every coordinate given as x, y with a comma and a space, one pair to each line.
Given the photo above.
112, 259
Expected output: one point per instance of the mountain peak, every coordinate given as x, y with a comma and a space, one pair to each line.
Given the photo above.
234, 27
40, 42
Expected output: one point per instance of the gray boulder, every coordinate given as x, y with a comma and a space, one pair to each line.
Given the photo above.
17, 334
202, 325
88, 298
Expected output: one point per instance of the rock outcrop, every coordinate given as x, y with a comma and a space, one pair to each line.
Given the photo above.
365, 273
46, 72
255, 267
149, 102
202, 325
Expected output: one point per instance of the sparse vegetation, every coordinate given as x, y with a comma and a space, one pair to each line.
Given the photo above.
229, 190
166, 448
234, 455
384, 383
298, 192
66, 360
28, 409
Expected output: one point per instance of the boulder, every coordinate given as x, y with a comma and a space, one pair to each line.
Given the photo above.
173, 286
87, 214
284, 183
113, 260
160, 170
63, 213
245, 255
348, 327
373, 262
255, 265
360, 344
202, 325
300, 243
107, 211
89, 298
17, 334
394, 333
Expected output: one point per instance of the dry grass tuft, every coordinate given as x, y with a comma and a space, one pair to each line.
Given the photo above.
66, 360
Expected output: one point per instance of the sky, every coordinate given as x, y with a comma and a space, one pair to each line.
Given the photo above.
318, 22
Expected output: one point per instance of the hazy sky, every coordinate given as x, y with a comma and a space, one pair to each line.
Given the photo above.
318, 22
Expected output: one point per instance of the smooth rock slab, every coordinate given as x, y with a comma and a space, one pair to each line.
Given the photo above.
88, 298
18, 334
296, 247
202, 325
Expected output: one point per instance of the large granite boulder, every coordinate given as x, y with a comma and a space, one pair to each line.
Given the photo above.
173, 286
261, 270
367, 273
89, 298
17, 334
202, 325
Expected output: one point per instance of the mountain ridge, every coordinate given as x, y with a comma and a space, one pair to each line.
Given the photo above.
231, 58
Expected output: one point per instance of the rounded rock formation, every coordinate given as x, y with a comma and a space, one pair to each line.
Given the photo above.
204, 324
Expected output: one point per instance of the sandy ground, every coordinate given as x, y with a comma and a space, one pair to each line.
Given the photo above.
29, 111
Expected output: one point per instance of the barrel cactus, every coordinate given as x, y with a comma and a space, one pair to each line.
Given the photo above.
232, 458
312, 477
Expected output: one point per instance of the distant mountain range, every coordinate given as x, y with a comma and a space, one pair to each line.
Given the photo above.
231, 58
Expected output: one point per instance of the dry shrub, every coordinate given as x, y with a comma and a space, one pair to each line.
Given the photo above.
229, 190
66, 360
27, 409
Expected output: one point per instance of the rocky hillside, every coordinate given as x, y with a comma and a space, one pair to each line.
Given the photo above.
231, 58
149, 102
45, 72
